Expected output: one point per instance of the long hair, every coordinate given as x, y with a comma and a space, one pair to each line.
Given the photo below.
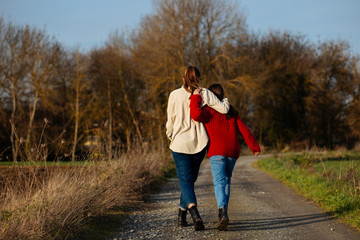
218, 90
191, 78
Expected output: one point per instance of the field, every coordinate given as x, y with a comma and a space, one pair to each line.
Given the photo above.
331, 179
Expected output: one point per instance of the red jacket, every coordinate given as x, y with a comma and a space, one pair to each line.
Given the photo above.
222, 130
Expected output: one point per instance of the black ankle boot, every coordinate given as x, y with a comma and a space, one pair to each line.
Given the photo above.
198, 223
182, 218
223, 219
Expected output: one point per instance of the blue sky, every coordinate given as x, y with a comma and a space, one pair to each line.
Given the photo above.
88, 23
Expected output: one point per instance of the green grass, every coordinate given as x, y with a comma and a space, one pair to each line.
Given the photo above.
331, 179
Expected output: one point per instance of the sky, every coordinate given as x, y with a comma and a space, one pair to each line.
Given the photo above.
88, 23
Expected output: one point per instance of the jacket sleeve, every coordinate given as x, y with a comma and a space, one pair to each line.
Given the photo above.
197, 113
212, 101
247, 135
170, 117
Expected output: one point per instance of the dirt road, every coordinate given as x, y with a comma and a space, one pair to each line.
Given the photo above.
260, 208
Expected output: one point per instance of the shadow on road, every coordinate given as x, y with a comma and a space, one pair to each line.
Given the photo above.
277, 223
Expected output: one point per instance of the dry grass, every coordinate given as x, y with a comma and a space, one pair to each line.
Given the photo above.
57, 202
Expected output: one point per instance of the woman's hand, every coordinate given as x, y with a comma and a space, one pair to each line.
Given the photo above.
197, 91
256, 154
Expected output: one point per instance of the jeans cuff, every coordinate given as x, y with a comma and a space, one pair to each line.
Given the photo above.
182, 208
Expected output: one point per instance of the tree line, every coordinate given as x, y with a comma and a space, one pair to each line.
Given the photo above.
59, 103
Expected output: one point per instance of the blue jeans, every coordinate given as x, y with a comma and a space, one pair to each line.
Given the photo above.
222, 168
187, 168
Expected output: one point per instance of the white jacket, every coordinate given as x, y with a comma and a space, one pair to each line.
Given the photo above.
186, 135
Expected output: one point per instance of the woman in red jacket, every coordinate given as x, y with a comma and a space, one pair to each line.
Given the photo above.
224, 146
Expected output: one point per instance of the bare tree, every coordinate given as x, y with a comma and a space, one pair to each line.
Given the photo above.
353, 108
182, 33
129, 108
40, 62
78, 89
333, 82
276, 69
15, 41
116, 84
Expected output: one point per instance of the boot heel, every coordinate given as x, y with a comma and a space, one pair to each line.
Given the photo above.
223, 219
198, 222
182, 218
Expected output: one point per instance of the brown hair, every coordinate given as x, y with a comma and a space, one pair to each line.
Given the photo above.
191, 79
218, 90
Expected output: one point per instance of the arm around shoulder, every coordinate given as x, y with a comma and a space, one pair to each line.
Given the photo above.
212, 101
196, 111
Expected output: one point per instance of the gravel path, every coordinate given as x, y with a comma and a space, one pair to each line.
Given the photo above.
260, 208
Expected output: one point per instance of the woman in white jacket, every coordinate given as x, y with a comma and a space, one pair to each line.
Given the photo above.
189, 140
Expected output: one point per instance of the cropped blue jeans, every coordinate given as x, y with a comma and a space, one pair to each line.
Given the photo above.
222, 168
187, 168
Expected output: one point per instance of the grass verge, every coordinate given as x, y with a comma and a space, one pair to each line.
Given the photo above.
331, 179
68, 202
